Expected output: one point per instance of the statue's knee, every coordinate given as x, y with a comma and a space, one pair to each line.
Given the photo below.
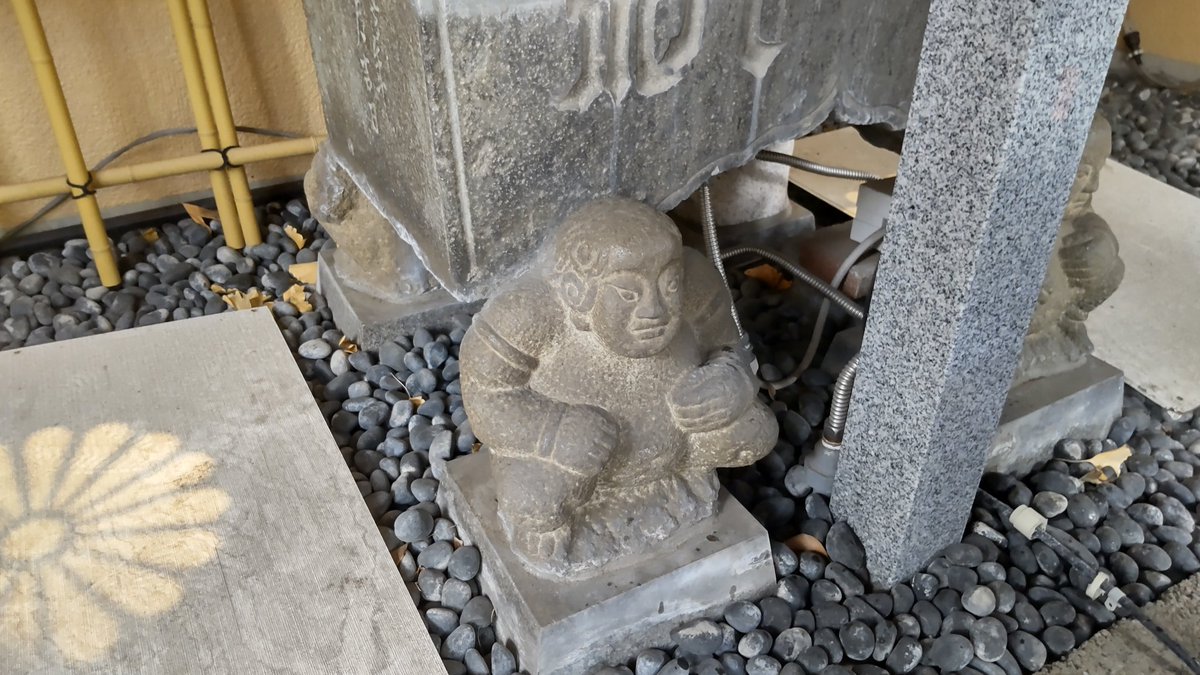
536, 493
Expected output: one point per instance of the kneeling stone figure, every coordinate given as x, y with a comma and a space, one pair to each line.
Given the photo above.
605, 385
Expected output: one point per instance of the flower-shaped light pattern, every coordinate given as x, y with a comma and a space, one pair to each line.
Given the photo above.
89, 536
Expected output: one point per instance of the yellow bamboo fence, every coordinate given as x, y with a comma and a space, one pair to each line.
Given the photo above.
220, 155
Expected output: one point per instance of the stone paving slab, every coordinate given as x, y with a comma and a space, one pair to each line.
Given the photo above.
1129, 648
1149, 327
171, 500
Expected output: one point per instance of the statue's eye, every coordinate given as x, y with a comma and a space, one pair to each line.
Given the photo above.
626, 294
672, 284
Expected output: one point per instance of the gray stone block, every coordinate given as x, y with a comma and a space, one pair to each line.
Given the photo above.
188, 512
371, 321
1004, 98
1080, 403
475, 127
573, 627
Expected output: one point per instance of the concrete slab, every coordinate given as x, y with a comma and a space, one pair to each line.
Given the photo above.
1128, 647
824, 250
573, 627
1080, 403
1148, 328
171, 500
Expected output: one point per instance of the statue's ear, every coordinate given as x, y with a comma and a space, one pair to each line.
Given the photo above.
573, 290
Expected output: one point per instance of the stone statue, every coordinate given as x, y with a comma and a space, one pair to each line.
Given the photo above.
371, 257
605, 386
1084, 271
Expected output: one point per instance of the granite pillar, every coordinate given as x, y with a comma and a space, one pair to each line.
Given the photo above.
1004, 97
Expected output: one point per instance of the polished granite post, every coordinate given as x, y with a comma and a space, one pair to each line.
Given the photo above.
1004, 98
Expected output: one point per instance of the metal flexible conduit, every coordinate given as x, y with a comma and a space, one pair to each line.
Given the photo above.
852, 308
813, 167
714, 248
835, 423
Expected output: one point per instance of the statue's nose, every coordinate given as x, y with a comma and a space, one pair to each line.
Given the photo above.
652, 306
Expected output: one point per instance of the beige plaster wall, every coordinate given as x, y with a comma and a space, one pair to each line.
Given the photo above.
122, 78
1170, 28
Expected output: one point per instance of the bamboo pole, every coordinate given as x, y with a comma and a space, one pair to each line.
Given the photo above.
214, 80
163, 168
185, 41
67, 141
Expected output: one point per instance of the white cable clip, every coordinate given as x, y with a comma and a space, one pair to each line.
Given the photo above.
1095, 589
1027, 521
1113, 600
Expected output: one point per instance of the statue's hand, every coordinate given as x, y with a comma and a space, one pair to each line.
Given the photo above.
586, 439
713, 395
1090, 250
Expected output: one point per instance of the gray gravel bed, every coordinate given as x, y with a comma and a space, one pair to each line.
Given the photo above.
396, 413
1155, 130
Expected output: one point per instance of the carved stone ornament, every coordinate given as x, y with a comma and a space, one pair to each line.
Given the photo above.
1085, 269
604, 386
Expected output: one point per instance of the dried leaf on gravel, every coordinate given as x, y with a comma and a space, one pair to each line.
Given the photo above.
304, 272
200, 215
398, 553
150, 235
1108, 465
248, 300
299, 299
770, 276
806, 542
294, 234
346, 345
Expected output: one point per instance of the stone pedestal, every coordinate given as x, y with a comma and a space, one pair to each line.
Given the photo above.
370, 320
573, 627
1080, 403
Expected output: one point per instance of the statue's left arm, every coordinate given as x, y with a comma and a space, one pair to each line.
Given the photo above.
707, 303
1091, 260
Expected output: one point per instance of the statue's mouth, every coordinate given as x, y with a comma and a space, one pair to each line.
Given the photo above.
651, 330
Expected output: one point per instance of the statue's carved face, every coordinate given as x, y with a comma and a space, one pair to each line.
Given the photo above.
1087, 181
637, 310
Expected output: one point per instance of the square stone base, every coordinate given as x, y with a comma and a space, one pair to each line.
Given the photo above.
1080, 403
569, 627
371, 321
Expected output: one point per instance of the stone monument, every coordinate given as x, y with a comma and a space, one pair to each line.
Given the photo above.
474, 128
1060, 390
605, 388
376, 283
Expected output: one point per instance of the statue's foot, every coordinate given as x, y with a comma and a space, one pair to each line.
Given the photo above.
539, 546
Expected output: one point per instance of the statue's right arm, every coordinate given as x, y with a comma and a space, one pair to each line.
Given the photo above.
499, 354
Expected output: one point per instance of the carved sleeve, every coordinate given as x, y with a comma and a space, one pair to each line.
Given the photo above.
499, 354
707, 302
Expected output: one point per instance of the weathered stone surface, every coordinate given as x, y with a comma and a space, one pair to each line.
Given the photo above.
371, 256
605, 384
569, 627
372, 321
1004, 98
475, 127
1084, 271
1079, 403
